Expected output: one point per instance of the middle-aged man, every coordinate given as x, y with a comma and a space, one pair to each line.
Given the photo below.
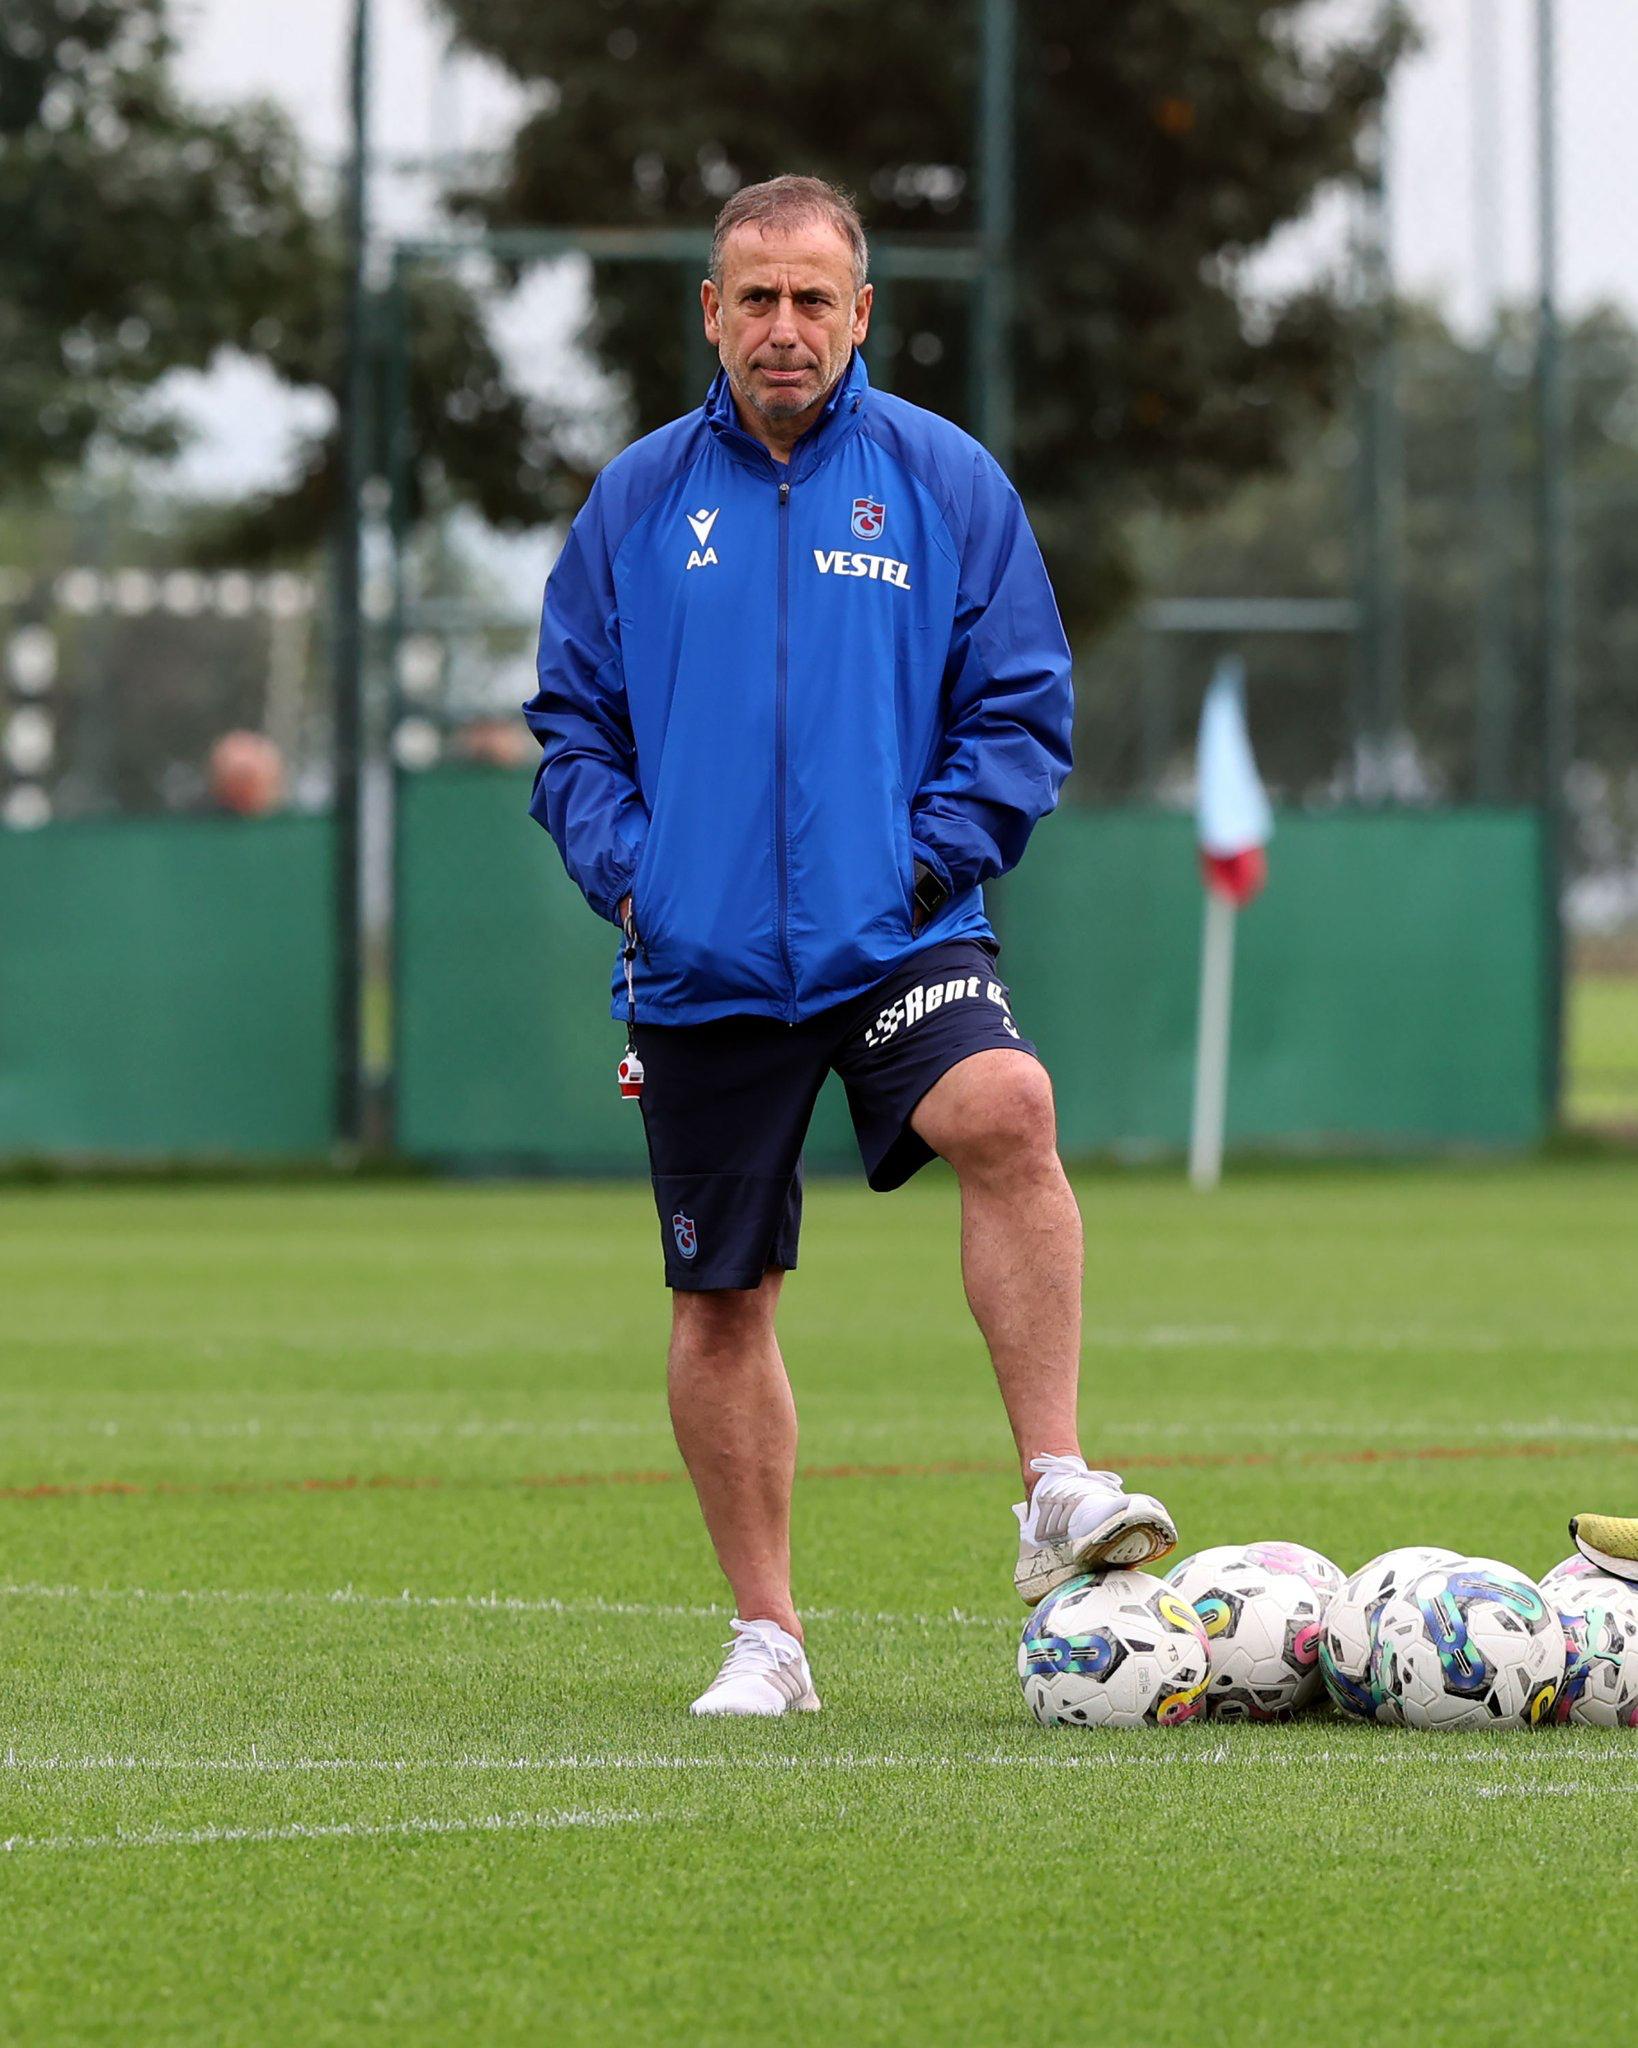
803, 688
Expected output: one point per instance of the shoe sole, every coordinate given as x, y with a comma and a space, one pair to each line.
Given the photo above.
1606, 1561
809, 1703
1126, 1541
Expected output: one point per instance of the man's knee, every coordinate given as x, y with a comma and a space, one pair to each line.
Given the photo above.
723, 1321
1006, 1122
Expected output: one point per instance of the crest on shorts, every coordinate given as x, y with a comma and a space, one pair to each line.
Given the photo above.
688, 1239
869, 517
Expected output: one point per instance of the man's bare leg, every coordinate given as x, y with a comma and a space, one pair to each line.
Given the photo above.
735, 1421
992, 1117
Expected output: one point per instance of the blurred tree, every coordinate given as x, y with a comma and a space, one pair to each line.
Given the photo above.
139, 236
1291, 536
1162, 143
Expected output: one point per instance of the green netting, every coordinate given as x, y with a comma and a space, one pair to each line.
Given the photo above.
1389, 989
166, 988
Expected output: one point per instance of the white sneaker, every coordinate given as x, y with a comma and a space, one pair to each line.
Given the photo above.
765, 1672
1081, 1521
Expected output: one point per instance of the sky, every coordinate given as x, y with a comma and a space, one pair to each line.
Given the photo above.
295, 52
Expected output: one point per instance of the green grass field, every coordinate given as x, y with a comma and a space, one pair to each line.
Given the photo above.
1602, 1054
351, 1606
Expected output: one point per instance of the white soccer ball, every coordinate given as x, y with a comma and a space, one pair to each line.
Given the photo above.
1118, 1650
1579, 1572
1325, 1577
1470, 1645
1349, 1636
1600, 1617
1262, 1633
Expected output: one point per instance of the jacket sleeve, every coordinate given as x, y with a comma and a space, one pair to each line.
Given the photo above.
1009, 702
586, 792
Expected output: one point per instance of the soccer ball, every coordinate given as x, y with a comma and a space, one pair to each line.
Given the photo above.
1349, 1636
1600, 1651
1118, 1650
1469, 1645
1262, 1632
1578, 1572
1325, 1577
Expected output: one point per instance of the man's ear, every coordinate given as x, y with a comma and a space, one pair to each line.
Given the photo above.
711, 307
862, 302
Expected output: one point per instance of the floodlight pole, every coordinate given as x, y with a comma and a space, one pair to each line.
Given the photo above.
992, 400
347, 664
1556, 692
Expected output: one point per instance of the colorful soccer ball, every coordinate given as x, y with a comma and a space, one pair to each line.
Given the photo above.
1325, 1577
1262, 1632
1349, 1635
1118, 1650
1600, 1652
1577, 1571
1469, 1645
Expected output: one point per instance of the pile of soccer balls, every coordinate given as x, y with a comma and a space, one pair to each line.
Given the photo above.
1417, 1638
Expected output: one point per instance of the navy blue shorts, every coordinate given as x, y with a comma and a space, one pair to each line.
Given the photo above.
726, 1105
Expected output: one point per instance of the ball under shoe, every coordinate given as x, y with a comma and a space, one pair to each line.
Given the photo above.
765, 1672
1081, 1521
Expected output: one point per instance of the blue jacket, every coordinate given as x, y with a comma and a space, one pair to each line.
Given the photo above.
767, 689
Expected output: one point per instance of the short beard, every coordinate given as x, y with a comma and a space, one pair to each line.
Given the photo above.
779, 406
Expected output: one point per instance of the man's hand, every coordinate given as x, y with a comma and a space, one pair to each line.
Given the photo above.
625, 908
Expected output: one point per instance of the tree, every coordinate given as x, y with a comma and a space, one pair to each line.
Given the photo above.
1297, 535
139, 235
1162, 143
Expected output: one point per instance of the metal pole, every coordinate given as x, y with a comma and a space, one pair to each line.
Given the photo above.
992, 312
1494, 709
1387, 691
348, 632
1556, 695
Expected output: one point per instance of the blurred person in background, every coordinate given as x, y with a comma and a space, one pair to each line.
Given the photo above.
803, 689
247, 777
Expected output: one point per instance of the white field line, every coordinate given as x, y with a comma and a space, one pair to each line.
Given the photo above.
303, 1831
472, 1603
1160, 1759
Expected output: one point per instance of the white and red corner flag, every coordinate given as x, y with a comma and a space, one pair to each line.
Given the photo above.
1231, 806
1234, 824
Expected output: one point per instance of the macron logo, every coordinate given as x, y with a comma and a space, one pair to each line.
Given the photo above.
702, 557
879, 568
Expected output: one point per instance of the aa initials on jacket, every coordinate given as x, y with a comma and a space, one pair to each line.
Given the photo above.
767, 690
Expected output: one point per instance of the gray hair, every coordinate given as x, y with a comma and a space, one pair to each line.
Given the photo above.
787, 203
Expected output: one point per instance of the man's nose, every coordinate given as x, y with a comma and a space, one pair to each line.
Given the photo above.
783, 332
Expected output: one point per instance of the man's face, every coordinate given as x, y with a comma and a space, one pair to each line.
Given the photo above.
785, 318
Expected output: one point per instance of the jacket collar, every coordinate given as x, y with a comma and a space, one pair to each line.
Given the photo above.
837, 421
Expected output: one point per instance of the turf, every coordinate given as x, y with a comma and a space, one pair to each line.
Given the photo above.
332, 1712
1603, 1050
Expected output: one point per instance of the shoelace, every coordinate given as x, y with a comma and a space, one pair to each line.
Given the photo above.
750, 1651
1052, 1469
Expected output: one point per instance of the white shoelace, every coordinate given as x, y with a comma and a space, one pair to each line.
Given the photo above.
751, 1653
1072, 1468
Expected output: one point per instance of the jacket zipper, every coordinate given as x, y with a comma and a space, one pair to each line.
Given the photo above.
781, 829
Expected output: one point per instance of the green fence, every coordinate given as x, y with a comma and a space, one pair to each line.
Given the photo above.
166, 989
1389, 992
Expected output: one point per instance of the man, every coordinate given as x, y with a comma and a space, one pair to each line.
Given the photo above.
803, 688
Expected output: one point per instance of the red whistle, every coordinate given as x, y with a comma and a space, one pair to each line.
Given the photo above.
630, 1073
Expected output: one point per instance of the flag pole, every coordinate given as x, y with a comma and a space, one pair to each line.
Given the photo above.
1211, 1052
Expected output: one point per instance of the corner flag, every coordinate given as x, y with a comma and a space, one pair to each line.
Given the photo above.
1234, 825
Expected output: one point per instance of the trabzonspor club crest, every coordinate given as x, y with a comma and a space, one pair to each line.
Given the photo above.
682, 1229
869, 517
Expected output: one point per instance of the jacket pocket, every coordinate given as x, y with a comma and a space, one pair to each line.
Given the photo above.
906, 858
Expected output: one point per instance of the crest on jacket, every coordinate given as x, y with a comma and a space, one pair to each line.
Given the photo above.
869, 517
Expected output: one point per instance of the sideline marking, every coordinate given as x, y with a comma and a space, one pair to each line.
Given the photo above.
303, 1831
478, 1603
1161, 1758
951, 1468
